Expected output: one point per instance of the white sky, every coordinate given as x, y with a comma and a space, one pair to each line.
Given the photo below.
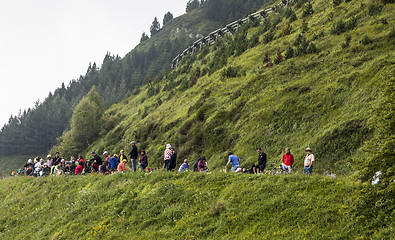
46, 42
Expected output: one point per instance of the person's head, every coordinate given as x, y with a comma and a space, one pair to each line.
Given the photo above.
308, 150
36, 160
259, 150
230, 153
133, 143
121, 152
287, 150
80, 157
57, 154
29, 161
168, 146
186, 161
93, 153
49, 157
142, 151
173, 149
59, 164
124, 161
115, 155
105, 154
203, 159
72, 158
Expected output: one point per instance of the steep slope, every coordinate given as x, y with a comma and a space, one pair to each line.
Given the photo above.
187, 206
321, 97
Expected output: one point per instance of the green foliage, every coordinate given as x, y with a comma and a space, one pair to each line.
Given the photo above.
374, 9
346, 42
230, 72
155, 27
308, 9
289, 53
144, 37
192, 5
337, 2
167, 18
366, 40
305, 26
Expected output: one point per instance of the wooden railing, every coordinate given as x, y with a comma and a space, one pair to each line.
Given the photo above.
227, 30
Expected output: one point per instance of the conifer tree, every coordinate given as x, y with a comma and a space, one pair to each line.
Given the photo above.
167, 18
279, 57
308, 10
144, 37
155, 27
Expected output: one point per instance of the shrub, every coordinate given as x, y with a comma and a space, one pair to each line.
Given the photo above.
268, 36
312, 48
366, 40
346, 42
266, 59
287, 30
230, 72
374, 9
392, 34
308, 9
339, 27
289, 53
305, 26
194, 80
336, 2
279, 57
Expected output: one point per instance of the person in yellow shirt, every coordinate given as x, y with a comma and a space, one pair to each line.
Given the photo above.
308, 162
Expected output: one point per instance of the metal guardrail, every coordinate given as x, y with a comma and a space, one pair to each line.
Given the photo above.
229, 29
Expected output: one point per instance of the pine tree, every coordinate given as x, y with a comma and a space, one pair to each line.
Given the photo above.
144, 37
279, 57
155, 27
308, 10
167, 18
192, 4
336, 2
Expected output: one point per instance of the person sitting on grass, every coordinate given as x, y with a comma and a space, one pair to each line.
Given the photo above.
195, 166
288, 161
103, 168
185, 166
262, 159
234, 160
143, 164
121, 167
114, 163
79, 168
202, 165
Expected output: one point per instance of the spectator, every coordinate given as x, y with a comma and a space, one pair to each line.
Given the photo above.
114, 163
79, 168
202, 165
173, 160
37, 167
262, 159
49, 161
143, 164
106, 156
195, 166
288, 161
28, 167
103, 168
234, 160
81, 159
133, 155
122, 157
308, 162
96, 161
185, 166
57, 159
121, 167
167, 156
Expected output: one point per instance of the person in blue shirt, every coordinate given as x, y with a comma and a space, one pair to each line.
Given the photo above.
234, 160
114, 163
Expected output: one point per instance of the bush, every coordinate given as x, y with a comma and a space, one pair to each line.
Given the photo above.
346, 42
230, 72
308, 9
289, 53
339, 27
336, 2
312, 48
392, 34
374, 9
366, 40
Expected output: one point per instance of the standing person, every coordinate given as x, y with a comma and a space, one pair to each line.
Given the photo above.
50, 162
143, 164
57, 159
106, 156
167, 156
37, 167
308, 162
73, 164
202, 165
173, 160
122, 157
185, 166
288, 161
234, 160
114, 163
133, 155
262, 159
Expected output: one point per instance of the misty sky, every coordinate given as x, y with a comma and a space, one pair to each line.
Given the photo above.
46, 42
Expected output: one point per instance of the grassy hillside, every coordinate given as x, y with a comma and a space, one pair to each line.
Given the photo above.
322, 97
186, 206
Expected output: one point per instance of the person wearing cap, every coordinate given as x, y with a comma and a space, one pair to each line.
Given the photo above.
121, 167
143, 163
185, 166
288, 161
49, 161
122, 156
173, 160
262, 159
114, 163
107, 156
167, 156
234, 160
308, 162
28, 167
133, 155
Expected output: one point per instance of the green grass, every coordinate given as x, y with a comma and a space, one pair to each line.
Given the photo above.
12, 163
320, 100
183, 206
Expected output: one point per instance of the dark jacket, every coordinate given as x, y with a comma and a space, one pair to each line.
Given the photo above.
173, 161
262, 159
98, 160
133, 153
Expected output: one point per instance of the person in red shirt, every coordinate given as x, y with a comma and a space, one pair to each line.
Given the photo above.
288, 161
79, 168
81, 160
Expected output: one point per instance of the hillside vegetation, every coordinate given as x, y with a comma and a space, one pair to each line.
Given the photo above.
187, 206
232, 97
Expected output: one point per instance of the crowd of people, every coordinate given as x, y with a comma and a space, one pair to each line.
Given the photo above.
118, 163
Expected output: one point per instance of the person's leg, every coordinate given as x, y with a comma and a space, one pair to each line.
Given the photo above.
133, 164
305, 170
311, 170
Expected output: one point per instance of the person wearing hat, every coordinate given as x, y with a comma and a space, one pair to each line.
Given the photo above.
308, 162
133, 155
49, 161
262, 159
167, 156
28, 167
121, 167
107, 156
288, 161
122, 156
